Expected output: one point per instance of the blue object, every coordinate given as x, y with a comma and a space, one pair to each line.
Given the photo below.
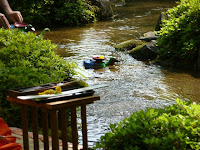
25, 27
98, 63
12, 26
88, 64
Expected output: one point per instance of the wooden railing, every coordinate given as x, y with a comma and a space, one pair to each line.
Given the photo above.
52, 109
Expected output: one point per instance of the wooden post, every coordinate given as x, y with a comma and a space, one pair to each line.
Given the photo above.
35, 127
24, 119
54, 129
45, 128
64, 129
84, 127
52, 108
74, 128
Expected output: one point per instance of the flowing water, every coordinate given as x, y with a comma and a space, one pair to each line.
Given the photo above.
132, 85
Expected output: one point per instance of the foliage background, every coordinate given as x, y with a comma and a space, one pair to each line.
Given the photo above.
180, 33
175, 127
27, 60
47, 13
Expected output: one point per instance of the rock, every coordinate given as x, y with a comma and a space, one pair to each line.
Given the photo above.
128, 45
144, 52
149, 36
105, 5
162, 17
140, 49
118, 3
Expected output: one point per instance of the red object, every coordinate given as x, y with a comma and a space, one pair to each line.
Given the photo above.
20, 25
7, 142
97, 58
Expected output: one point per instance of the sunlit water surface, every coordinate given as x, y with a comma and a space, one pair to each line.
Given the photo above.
132, 85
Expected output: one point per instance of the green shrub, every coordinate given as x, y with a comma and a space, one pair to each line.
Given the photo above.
180, 34
47, 13
27, 60
174, 127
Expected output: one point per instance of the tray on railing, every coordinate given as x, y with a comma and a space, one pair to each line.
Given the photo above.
41, 88
66, 86
64, 97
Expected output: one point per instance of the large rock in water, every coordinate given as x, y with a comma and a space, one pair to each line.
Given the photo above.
105, 5
118, 3
149, 36
145, 52
128, 45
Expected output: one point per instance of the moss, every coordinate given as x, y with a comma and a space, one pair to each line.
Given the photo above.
128, 45
136, 50
144, 52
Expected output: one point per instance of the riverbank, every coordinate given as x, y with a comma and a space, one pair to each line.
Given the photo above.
133, 85
172, 44
146, 49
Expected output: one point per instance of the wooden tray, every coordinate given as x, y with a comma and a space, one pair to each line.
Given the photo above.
41, 88
60, 98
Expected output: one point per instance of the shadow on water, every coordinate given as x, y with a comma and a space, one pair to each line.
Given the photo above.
133, 85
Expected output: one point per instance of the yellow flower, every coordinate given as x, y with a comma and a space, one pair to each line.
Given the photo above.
58, 89
101, 57
50, 91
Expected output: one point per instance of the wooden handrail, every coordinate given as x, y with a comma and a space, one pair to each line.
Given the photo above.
53, 108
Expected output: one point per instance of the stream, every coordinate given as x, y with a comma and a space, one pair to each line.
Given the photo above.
132, 85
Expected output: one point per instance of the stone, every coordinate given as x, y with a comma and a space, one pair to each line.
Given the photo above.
118, 3
128, 45
149, 36
105, 5
145, 52
162, 17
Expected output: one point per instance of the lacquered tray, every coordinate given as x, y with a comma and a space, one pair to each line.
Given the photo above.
66, 86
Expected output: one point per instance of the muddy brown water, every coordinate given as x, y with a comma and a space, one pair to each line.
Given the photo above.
132, 85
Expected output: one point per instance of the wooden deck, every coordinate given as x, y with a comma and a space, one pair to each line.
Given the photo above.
17, 132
